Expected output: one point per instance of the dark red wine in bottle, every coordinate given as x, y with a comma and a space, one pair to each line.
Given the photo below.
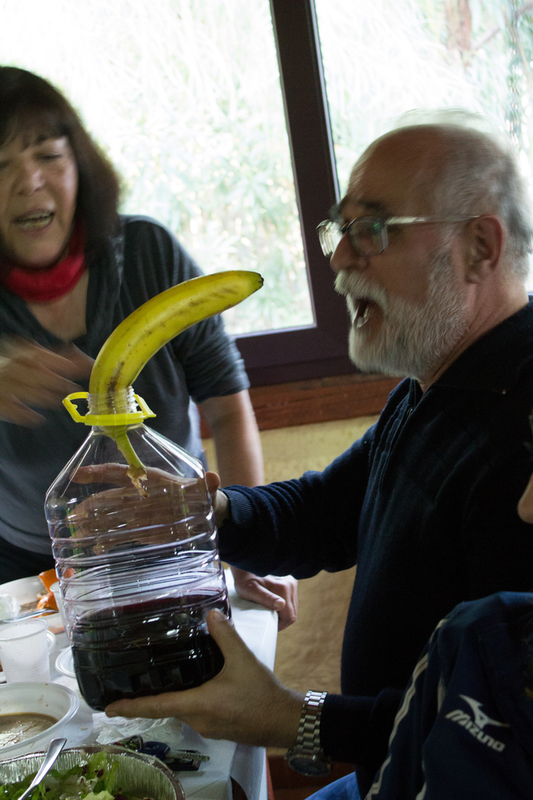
146, 648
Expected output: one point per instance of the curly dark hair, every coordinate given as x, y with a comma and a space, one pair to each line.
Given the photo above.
31, 106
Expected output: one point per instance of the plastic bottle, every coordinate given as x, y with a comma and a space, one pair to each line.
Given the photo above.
137, 563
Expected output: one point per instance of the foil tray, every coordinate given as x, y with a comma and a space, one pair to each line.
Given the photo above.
138, 774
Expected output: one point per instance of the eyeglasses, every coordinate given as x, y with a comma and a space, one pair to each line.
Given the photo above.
368, 235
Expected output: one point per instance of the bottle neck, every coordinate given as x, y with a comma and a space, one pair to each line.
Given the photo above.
121, 401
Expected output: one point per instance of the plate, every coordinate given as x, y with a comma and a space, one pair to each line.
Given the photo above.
25, 590
65, 663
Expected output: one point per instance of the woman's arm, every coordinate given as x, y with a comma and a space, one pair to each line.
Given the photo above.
231, 420
232, 423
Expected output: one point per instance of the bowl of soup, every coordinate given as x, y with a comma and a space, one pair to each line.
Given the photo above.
31, 714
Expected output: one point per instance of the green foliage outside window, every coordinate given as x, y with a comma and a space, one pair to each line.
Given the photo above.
384, 58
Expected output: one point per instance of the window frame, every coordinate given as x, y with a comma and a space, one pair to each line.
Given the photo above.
321, 349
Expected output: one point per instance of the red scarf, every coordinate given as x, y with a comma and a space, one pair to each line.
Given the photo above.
47, 283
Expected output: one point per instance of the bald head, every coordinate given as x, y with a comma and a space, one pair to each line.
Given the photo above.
449, 169
411, 158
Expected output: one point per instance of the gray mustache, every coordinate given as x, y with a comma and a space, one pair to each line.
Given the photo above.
353, 284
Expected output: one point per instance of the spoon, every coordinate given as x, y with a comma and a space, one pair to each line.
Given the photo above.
42, 612
54, 749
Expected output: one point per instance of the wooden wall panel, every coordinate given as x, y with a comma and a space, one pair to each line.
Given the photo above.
318, 400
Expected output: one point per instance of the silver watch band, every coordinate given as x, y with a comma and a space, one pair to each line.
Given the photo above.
308, 738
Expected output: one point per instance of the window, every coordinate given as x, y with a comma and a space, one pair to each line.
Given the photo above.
218, 117
383, 58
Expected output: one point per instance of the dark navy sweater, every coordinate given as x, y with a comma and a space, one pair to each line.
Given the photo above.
425, 504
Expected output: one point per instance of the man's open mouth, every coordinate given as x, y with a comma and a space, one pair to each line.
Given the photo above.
35, 221
361, 311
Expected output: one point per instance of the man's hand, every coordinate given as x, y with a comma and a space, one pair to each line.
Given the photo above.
31, 375
279, 594
218, 498
244, 703
117, 516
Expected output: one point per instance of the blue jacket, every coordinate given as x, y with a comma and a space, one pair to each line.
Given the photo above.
465, 726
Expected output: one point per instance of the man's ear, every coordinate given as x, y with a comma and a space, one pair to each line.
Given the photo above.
484, 247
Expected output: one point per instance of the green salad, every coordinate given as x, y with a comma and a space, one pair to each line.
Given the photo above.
93, 779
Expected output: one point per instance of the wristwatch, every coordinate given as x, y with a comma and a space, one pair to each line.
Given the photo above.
307, 756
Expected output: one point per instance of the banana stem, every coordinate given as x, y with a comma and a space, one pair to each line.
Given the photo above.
136, 469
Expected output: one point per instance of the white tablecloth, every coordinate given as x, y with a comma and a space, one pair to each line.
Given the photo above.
246, 765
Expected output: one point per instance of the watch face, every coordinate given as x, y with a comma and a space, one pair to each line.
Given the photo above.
314, 766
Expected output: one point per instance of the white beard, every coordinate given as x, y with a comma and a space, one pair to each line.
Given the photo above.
413, 340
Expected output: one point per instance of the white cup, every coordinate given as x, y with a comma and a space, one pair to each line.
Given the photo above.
24, 651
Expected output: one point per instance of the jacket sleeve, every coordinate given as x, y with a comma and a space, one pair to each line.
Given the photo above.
463, 728
401, 773
356, 730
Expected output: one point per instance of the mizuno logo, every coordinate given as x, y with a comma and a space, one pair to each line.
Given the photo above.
480, 718
475, 726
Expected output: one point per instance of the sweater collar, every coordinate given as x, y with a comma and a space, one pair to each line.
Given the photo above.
496, 361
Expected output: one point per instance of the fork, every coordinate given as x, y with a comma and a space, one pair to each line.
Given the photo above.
54, 749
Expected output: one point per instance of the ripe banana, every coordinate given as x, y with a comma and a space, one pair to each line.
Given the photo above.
160, 319
150, 327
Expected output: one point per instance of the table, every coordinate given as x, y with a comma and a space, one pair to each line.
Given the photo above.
246, 765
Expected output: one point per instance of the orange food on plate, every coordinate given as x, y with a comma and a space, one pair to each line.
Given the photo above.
47, 601
48, 578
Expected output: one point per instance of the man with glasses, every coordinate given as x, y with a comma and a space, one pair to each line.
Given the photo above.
430, 246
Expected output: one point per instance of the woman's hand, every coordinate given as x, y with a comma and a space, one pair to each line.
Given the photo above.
244, 703
32, 376
279, 594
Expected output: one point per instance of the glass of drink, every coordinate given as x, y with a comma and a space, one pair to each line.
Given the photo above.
24, 651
